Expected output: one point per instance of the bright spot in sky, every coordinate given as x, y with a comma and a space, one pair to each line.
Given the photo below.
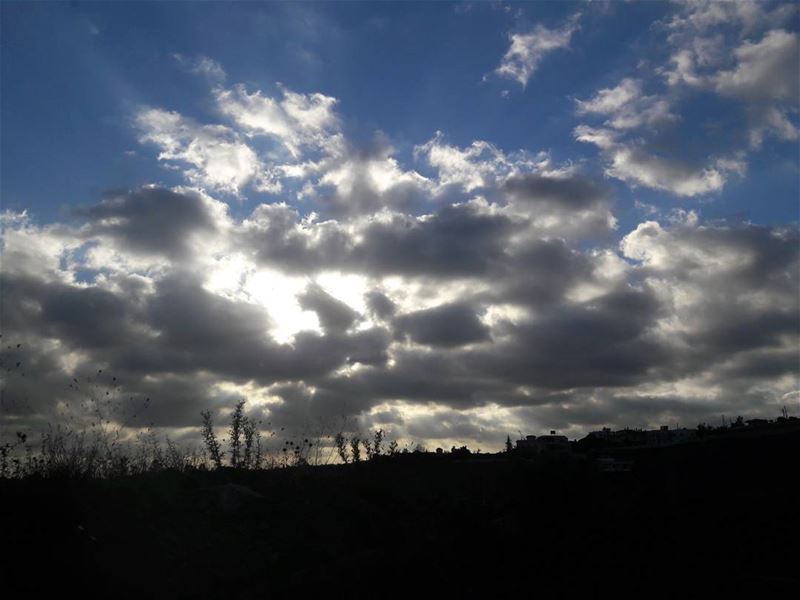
277, 293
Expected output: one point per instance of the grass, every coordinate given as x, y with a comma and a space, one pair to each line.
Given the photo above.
104, 437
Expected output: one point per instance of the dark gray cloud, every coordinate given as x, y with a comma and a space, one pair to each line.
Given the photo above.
568, 205
151, 220
199, 330
448, 325
81, 317
556, 335
567, 193
540, 272
334, 315
275, 236
380, 305
599, 343
457, 241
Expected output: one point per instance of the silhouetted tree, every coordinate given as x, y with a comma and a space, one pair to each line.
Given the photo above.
393, 448
509, 445
355, 449
377, 442
236, 430
210, 440
367, 448
252, 444
341, 446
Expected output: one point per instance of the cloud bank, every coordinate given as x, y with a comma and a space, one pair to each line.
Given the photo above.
454, 296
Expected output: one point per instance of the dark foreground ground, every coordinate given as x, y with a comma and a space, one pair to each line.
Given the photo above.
719, 516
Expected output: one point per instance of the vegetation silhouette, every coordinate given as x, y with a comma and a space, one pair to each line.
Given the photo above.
711, 517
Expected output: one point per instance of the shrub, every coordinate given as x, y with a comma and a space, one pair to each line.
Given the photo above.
237, 426
341, 447
252, 444
212, 445
377, 442
367, 448
355, 448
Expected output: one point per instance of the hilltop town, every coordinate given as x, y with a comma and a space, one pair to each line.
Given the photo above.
632, 439
616, 451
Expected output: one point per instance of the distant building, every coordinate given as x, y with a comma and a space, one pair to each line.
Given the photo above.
603, 434
663, 436
552, 443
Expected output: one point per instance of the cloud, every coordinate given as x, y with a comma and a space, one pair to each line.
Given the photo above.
216, 155
766, 78
296, 120
711, 54
572, 192
202, 65
568, 204
632, 162
355, 181
152, 220
465, 309
695, 17
763, 77
453, 324
380, 304
728, 51
482, 294
730, 288
626, 107
636, 166
527, 50
542, 272
479, 165
604, 341
334, 315
457, 241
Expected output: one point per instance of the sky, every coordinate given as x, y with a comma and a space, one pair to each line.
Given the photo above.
453, 221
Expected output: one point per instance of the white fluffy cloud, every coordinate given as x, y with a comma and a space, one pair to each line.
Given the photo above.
216, 155
629, 160
527, 50
479, 165
736, 50
630, 118
741, 51
763, 76
296, 120
626, 107
766, 77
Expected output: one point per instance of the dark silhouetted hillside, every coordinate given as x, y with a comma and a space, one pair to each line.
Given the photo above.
717, 516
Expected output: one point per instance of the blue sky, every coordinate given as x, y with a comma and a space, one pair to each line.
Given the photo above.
74, 73
397, 189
